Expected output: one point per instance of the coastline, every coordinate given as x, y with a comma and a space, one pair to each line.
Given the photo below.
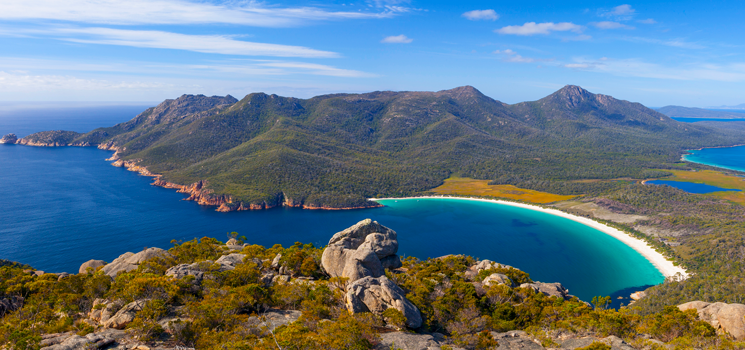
660, 262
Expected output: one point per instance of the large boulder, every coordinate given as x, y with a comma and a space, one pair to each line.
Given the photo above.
376, 294
230, 261
496, 279
93, 264
182, 270
729, 318
129, 261
407, 341
126, 315
363, 250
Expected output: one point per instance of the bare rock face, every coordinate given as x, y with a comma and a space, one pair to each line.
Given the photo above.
497, 278
126, 315
129, 261
729, 318
9, 138
363, 250
230, 261
182, 270
10, 304
549, 289
93, 264
407, 341
376, 294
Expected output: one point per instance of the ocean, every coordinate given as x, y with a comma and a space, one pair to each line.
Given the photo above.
732, 158
66, 205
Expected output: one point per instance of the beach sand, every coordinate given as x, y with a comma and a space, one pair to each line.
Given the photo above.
665, 266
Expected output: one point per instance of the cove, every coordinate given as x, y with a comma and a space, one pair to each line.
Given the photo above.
691, 187
732, 158
63, 206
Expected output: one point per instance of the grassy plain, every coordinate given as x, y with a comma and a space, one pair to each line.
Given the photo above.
462, 186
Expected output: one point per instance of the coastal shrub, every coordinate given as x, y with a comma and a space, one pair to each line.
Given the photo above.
394, 318
672, 323
145, 324
518, 277
206, 248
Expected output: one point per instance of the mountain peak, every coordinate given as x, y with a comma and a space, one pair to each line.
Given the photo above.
466, 91
572, 95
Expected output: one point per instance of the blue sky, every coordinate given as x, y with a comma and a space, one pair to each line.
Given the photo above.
688, 53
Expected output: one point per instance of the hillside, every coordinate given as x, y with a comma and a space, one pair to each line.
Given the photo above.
334, 151
687, 112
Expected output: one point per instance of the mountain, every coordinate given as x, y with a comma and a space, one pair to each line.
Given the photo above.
740, 106
687, 112
334, 151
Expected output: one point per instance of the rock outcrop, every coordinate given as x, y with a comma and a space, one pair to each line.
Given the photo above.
10, 304
363, 250
182, 270
497, 278
92, 264
725, 318
9, 139
71, 341
482, 265
549, 289
376, 294
126, 315
129, 261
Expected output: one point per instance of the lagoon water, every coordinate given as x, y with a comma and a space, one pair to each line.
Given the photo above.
691, 187
63, 206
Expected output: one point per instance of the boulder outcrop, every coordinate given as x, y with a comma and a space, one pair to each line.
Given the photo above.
376, 294
93, 264
482, 265
725, 318
126, 315
497, 278
549, 289
182, 270
363, 250
129, 261
10, 304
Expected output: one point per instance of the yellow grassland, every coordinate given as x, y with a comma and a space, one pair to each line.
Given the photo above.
461, 186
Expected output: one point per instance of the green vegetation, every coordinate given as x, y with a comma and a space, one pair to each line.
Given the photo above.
338, 150
227, 309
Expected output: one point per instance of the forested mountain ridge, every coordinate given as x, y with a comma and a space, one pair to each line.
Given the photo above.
334, 151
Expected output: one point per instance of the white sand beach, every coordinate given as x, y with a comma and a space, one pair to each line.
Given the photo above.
665, 266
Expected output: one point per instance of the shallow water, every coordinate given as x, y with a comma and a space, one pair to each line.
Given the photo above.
732, 158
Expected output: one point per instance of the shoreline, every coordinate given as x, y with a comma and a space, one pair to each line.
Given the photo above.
659, 261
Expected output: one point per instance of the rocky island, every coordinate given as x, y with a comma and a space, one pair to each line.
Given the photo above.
355, 293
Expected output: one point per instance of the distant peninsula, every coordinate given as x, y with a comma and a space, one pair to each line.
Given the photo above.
336, 151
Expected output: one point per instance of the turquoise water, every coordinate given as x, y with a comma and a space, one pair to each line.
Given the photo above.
693, 120
732, 158
63, 206
691, 187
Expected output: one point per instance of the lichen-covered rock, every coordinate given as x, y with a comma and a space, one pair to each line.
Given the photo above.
93, 264
129, 261
729, 318
126, 315
497, 278
363, 250
182, 270
230, 261
376, 294
514, 340
407, 341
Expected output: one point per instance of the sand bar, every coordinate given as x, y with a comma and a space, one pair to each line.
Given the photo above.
665, 266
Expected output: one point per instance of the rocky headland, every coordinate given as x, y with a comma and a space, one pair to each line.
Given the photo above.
267, 298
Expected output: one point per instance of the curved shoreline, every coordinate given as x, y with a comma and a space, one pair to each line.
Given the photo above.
660, 262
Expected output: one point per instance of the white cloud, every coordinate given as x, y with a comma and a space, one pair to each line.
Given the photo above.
532, 28
397, 39
20, 80
642, 69
610, 25
217, 44
647, 21
180, 12
481, 15
620, 11
679, 43
512, 56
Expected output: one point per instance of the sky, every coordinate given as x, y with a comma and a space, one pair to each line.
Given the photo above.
658, 53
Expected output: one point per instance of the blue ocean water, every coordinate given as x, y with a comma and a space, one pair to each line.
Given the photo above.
63, 206
693, 120
691, 187
25, 120
732, 158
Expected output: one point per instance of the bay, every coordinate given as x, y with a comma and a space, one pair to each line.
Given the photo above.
732, 158
691, 187
66, 205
